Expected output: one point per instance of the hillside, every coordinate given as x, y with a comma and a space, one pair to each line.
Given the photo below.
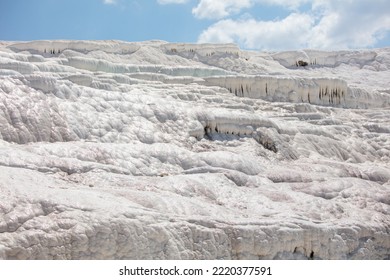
155, 150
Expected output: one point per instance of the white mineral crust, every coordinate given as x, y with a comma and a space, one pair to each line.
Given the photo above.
153, 150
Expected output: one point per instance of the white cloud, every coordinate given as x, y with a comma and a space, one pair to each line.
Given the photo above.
216, 9
109, 2
326, 24
346, 24
330, 24
289, 33
164, 2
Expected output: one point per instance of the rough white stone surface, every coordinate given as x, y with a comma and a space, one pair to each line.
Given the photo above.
115, 150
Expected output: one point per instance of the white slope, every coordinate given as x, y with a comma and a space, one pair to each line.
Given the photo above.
153, 150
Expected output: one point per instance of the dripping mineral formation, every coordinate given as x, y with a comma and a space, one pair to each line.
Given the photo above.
153, 150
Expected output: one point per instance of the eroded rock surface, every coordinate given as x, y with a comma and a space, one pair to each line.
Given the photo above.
115, 150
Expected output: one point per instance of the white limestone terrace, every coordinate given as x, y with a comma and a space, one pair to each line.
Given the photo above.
155, 150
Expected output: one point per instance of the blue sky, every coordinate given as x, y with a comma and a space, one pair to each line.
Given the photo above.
253, 24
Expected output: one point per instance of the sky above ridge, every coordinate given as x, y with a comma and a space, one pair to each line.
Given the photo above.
252, 24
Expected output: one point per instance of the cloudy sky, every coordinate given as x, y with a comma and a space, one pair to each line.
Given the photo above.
253, 24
